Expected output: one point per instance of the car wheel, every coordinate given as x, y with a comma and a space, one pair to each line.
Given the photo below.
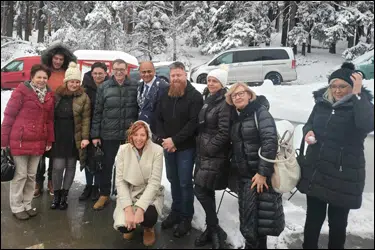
202, 79
274, 77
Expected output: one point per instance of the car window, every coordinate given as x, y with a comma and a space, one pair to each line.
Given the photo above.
224, 59
247, 56
274, 54
14, 66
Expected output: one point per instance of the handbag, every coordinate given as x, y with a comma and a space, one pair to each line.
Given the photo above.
7, 165
287, 171
95, 158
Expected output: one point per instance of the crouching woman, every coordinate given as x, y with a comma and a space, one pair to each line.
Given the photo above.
140, 195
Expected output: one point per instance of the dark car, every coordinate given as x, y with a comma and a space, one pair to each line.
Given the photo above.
161, 70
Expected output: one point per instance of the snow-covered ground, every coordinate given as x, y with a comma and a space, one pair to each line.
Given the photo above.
292, 102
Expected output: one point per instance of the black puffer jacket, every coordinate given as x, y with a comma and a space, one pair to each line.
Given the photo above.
116, 109
212, 162
333, 169
260, 214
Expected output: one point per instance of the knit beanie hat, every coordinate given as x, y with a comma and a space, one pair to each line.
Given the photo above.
72, 73
344, 73
220, 74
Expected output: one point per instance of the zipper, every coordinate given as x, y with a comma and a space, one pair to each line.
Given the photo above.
21, 137
340, 169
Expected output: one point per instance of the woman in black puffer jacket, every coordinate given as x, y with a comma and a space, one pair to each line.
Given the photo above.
333, 170
260, 207
212, 162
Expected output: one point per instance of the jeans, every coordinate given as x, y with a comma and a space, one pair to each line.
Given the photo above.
179, 167
91, 178
315, 216
207, 199
110, 148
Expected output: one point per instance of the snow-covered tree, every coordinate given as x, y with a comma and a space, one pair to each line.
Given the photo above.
358, 50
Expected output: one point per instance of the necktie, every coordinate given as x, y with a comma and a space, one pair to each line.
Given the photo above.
145, 91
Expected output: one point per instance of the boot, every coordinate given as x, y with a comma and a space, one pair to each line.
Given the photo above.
64, 199
38, 190
56, 199
183, 228
172, 219
21, 215
86, 193
204, 238
95, 193
218, 237
128, 236
148, 236
50, 187
101, 203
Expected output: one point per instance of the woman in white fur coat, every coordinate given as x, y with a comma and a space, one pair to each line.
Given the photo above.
140, 195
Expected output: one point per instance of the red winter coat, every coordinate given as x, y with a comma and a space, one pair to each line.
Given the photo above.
28, 124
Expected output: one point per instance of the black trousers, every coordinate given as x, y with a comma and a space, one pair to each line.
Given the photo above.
42, 169
150, 219
110, 149
207, 199
337, 221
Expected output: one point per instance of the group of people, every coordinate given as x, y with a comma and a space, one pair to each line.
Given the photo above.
203, 139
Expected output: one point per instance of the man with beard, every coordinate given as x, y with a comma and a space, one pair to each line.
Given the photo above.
176, 125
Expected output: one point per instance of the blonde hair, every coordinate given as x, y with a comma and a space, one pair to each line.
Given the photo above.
228, 97
328, 95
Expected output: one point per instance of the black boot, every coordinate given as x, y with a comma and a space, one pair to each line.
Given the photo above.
183, 228
86, 193
218, 237
204, 238
172, 219
95, 193
64, 199
56, 199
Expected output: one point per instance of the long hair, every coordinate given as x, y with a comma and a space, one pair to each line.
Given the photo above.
134, 128
328, 95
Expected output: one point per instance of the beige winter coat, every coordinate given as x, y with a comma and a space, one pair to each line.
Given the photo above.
138, 183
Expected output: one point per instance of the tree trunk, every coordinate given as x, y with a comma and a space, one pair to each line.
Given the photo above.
31, 18
27, 20
295, 49
277, 22
49, 26
292, 17
304, 49
332, 48
285, 23
359, 32
10, 19
350, 41
41, 22
368, 35
309, 39
174, 29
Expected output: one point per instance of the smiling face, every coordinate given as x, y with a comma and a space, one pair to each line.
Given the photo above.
241, 97
98, 74
40, 79
73, 85
119, 71
178, 81
139, 138
147, 71
57, 61
340, 88
213, 85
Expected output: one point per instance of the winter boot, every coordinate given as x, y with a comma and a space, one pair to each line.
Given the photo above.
101, 203
86, 193
64, 199
21, 215
172, 219
218, 237
148, 236
204, 238
56, 199
95, 193
183, 228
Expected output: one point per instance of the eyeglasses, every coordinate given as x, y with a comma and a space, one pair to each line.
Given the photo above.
341, 87
119, 70
146, 72
238, 95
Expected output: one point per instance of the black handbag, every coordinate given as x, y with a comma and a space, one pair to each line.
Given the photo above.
95, 158
7, 165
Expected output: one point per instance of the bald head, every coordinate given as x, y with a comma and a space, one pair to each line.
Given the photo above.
147, 71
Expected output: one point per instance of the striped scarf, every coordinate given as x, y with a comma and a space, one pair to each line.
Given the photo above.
41, 93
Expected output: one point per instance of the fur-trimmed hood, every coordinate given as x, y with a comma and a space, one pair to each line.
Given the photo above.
47, 55
318, 94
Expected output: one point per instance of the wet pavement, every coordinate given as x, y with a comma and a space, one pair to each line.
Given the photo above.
81, 227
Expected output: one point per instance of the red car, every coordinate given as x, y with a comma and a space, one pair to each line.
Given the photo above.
17, 71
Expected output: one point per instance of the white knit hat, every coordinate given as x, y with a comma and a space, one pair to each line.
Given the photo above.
72, 73
221, 74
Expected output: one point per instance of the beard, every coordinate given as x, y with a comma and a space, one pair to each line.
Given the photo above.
177, 89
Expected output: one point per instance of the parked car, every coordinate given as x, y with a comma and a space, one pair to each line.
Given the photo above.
365, 63
17, 71
161, 70
251, 65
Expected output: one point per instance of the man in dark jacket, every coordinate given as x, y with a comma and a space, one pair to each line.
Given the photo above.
150, 90
176, 125
116, 109
91, 80
57, 59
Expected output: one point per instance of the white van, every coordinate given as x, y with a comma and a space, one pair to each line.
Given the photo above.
251, 65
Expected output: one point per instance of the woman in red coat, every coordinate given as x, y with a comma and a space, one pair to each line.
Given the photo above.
27, 129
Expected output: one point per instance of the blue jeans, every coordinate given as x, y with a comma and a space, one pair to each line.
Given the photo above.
91, 179
179, 166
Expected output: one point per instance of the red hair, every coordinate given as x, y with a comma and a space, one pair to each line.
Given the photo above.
134, 128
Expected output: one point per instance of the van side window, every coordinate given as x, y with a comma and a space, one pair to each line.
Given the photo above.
14, 66
247, 56
274, 54
226, 58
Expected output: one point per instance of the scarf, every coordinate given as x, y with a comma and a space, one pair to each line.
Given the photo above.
41, 93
